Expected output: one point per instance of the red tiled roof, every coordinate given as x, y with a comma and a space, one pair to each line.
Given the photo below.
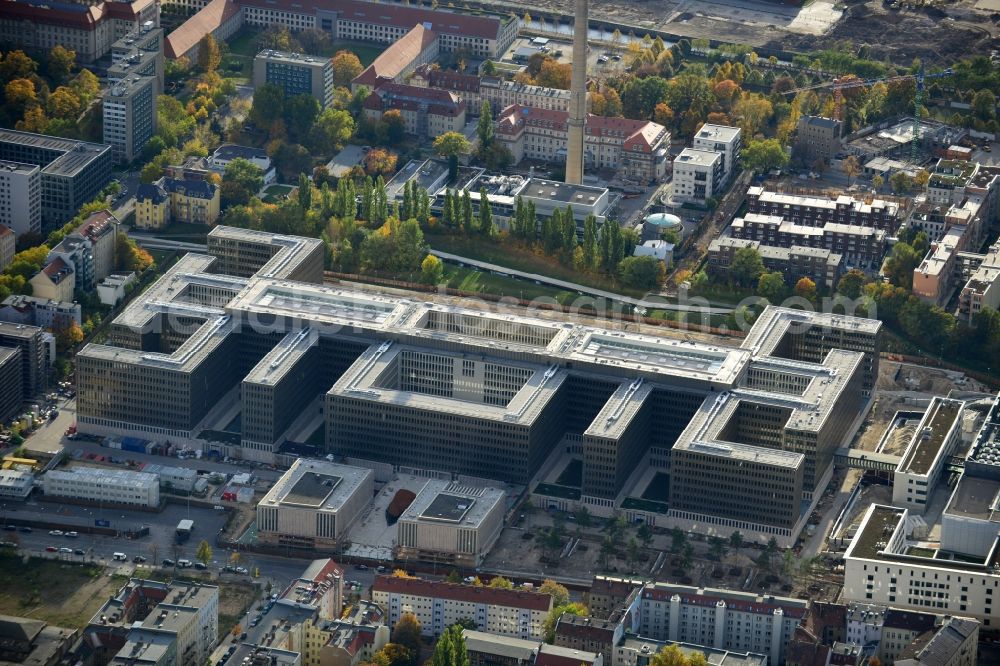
209, 18
641, 134
449, 80
411, 98
399, 16
535, 601
394, 60
57, 270
86, 18
96, 224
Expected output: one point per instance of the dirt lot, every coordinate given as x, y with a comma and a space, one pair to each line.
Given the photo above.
63, 594
897, 35
234, 599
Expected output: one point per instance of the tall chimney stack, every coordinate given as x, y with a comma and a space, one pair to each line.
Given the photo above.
578, 96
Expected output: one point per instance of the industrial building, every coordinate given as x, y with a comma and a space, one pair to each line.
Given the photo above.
435, 387
129, 108
451, 523
313, 504
110, 487
439, 604
21, 197
937, 436
295, 74
72, 172
16, 484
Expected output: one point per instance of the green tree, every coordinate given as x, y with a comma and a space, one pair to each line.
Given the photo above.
549, 626
984, 105
245, 175
485, 128
747, 266
641, 272
645, 534
852, 283
717, 547
486, 226
763, 155
736, 541
687, 557
899, 265
639, 97
301, 112
677, 540
772, 286
268, 105
559, 593
466, 211
590, 242
582, 516
451, 144
304, 193
204, 552
431, 270
332, 129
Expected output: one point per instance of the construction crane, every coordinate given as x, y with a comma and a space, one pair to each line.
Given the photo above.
840, 84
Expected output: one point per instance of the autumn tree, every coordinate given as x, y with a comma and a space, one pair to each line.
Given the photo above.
431, 272
451, 144
549, 626
407, 633
209, 55
69, 337
15, 65
380, 161
851, 168
204, 552
346, 66
501, 583
558, 592
64, 103
805, 288
331, 130
60, 62
34, 121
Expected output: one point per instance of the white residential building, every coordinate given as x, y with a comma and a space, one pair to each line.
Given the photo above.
439, 604
228, 152
108, 486
313, 503
698, 175
20, 197
721, 139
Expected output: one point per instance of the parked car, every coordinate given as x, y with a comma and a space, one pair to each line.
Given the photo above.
55, 533
78, 551
138, 559
26, 530
167, 562
51, 549
201, 566
10, 528
66, 551
72, 535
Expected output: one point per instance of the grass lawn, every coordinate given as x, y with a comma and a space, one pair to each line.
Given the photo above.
60, 593
366, 52
521, 259
244, 42
186, 233
469, 279
275, 193
234, 599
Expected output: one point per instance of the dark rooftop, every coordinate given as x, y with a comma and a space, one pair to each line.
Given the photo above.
448, 508
312, 489
877, 532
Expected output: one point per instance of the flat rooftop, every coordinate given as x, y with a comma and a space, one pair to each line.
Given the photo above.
697, 157
537, 188
312, 489
447, 502
723, 133
316, 484
10, 329
292, 58
930, 436
17, 167
977, 498
875, 532
74, 157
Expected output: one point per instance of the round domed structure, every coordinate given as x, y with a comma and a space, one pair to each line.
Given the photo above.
664, 221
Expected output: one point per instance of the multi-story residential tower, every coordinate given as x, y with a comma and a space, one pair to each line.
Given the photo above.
129, 108
295, 74
21, 197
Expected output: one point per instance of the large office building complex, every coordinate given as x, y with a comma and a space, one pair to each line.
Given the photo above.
72, 172
34, 354
295, 74
129, 108
11, 390
21, 197
437, 387
105, 486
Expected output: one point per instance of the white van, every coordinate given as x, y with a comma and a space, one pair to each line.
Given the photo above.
184, 564
121, 557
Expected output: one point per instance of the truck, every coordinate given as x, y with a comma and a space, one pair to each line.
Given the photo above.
184, 529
